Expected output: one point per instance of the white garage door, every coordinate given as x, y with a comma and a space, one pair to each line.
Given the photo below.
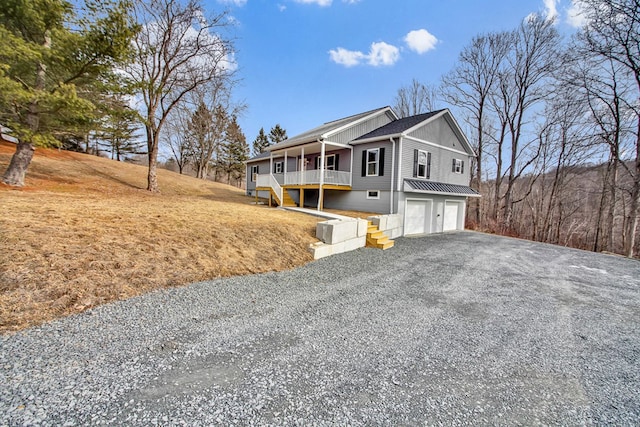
417, 217
450, 216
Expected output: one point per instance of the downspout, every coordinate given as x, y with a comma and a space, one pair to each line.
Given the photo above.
321, 174
393, 168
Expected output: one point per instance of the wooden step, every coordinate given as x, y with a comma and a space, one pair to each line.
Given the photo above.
377, 238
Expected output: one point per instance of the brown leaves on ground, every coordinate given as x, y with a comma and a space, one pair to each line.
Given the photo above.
83, 232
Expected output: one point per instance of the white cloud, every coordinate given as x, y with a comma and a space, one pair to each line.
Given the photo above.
348, 58
281, 7
421, 41
318, 2
575, 14
383, 54
380, 54
351, 1
233, 2
551, 9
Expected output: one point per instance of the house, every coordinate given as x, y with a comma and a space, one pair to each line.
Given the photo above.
416, 168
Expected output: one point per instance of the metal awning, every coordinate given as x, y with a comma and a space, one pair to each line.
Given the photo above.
431, 187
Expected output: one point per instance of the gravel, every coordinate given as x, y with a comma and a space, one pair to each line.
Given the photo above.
450, 329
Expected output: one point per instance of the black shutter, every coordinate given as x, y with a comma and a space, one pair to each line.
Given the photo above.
462, 167
381, 163
415, 163
453, 168
364, 163
428, 165
335, 162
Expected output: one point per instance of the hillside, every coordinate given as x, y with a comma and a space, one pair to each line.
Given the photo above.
83, 232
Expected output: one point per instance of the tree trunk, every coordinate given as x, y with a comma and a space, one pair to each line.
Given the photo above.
152, 146
19, 163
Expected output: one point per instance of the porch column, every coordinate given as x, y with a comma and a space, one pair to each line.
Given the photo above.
285, 167
351, 167
320, 190
270, 162
300, 181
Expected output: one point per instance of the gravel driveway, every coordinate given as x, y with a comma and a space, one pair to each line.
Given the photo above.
450, 329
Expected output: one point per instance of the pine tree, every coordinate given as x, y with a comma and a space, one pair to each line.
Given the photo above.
236, 151
261, 143
277, 134
56, 57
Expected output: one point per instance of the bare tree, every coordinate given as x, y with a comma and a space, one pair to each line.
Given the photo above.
469, 85
176, 137
523, 84
177, 52
416, 98
613, 32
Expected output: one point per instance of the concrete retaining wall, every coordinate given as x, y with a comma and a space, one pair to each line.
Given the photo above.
339, 235
391, 224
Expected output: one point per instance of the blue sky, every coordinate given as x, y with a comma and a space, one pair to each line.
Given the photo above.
305, 62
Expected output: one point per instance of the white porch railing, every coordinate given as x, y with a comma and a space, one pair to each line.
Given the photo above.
270, 181
313, 177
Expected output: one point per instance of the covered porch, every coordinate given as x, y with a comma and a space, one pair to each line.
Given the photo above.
318, 166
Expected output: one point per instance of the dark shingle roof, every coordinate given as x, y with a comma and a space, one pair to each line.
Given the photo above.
260, 156
399, 126
440, 187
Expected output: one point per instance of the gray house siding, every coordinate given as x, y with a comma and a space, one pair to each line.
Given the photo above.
364, 183
263, 168
441, 163
360, 129
344, 159
356, 201
439, 131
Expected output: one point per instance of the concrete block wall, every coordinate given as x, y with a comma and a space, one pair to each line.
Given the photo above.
339, 235
392, 225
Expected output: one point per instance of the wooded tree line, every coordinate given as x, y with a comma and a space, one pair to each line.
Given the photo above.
96, 74
555, 123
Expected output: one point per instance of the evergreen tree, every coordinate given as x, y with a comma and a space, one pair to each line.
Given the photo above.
236, 151
55, 61
261, 143
118, 133
277, 134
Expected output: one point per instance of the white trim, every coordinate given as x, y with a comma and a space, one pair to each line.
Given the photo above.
433, 144
377, 197
426, 164
377, 162
360, 120
276, 164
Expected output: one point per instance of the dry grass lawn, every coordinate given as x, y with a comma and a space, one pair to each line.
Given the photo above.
83, 232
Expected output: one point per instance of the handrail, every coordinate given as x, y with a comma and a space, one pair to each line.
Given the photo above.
313, 177
271, 182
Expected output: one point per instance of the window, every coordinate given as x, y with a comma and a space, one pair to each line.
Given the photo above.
373, 162
421, 164
457, 166
330, 162
278, 167
373, 194
254, 173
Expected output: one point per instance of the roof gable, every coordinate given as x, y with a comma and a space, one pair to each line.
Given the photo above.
328, 129
438, 127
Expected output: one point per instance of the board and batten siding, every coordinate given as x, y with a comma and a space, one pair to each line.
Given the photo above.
441, 132
363, 128
364, 183
441, 163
